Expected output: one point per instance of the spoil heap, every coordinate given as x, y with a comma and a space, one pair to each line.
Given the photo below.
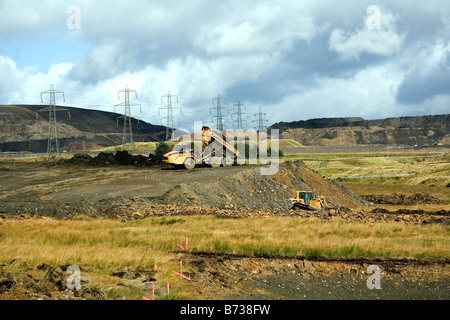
248, 189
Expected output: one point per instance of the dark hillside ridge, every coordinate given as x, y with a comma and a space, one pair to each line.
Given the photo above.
401, 122
419, 131
23, 128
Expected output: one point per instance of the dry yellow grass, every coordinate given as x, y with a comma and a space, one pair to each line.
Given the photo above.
101, 247
152, 242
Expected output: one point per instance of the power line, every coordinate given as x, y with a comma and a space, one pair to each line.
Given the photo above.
217, 102
53, 142
169, 118
260, 120
127, 128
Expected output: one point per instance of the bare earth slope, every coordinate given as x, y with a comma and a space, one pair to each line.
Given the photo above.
64, 190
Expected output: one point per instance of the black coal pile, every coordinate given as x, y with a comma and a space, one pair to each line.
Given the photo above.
121, 158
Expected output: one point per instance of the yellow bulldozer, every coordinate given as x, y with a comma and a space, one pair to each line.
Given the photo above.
309, 200
183, 155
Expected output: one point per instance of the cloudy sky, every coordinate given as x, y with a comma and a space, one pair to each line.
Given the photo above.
295, 59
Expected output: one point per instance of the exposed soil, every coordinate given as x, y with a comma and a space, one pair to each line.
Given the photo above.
243, 278
63, 190
403, 199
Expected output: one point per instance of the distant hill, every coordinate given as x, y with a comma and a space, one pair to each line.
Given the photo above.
408, 131
22, 128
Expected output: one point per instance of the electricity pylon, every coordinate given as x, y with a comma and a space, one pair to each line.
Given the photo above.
260, 120
53, 142
217, 102
127, 127
169, 117
239, 121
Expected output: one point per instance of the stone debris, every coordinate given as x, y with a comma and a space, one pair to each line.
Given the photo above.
377, 215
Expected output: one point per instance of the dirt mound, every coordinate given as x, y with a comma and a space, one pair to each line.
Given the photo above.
248, 189
403, 199
16, 282
122, 158
85, 191
330, 189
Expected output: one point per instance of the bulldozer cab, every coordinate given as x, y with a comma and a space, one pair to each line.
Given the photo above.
306, 196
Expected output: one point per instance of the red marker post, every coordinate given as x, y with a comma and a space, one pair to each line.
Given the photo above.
180, 245
181, 272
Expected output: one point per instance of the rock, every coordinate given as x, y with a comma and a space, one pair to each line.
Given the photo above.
56, 277
138, 216
309, 265
67, 295
92, 293
44, 267
7, 282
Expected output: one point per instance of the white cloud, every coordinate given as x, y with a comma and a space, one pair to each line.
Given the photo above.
368, 93
428, 74
283, 49
270, 27
382, 42
28, 18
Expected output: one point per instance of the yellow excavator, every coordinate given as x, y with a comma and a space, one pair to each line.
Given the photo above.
183, 155
308, 200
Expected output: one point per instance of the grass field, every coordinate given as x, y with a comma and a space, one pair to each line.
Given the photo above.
102, 247
376, 173
138, 242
